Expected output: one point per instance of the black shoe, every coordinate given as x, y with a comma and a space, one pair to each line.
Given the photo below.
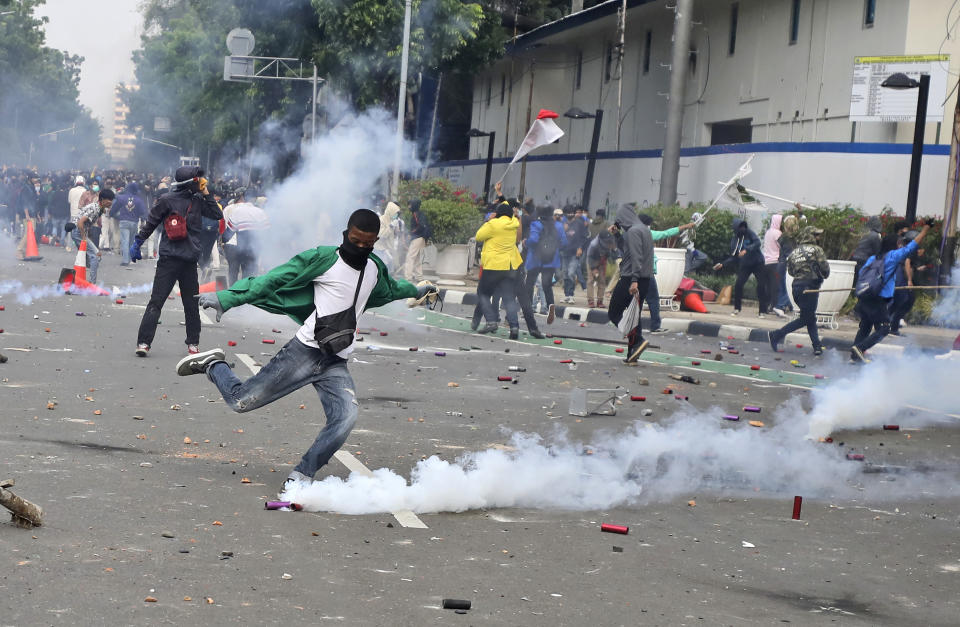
477, 317
514, 333
490, 327
818, 351
772, 336
857, 356
535, 333
198, 362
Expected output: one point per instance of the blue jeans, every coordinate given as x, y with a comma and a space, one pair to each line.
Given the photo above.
653, 302
571, 273
293, 367
128, 230
808, 313
783, 299
93, 261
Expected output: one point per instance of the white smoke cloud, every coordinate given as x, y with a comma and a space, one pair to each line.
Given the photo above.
339, 172
694, 450
946, 310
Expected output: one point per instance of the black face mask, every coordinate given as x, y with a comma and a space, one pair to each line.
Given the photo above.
353, 255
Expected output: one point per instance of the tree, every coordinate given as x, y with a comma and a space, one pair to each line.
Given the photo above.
39, 94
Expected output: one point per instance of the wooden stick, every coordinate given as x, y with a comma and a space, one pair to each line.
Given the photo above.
25, 513
903, 287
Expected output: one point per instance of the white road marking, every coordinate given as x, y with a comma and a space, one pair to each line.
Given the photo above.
204, 318
405, 517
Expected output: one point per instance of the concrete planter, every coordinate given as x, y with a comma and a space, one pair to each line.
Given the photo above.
452, 260
841, 278
670, 265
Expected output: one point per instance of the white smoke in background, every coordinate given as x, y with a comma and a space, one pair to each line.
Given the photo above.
339, 171
876, 394
27, 294
693, 451
946, 310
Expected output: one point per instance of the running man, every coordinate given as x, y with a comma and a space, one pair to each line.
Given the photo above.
325, 289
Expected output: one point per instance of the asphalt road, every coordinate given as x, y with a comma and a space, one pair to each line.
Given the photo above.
152, 487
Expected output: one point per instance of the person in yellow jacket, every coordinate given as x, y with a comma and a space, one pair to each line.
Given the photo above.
500, 259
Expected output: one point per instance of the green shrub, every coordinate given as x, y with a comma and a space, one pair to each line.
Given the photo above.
922, 309
452, 222
452, 211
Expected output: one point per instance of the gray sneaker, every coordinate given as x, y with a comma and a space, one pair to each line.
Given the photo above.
295, 481
199, 362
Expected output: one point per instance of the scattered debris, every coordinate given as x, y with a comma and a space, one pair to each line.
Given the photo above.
618, 350
286, 576
266, 341
617, 549
453, 384
691, 503
558, 341
756, 423
685, 378
747, 545
797, 502
231, 343
731, 417
856, 457
754, 367
413, 349
440, 354
516, 369
150, 600
891, 427
566, 361
638, 398
456, 604
750, 408
621, 529
166, 534
23, 513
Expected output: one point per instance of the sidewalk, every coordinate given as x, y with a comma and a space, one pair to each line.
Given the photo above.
719, 322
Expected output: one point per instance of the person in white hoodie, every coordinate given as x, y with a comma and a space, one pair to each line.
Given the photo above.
771, 257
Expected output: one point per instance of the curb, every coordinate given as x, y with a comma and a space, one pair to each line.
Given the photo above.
683, 325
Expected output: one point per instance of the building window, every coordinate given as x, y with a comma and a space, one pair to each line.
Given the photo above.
579, 73
489, 90
731, 132
647, 47
869, 13
692, 62
794, 22
608, 64
734, 14
503, 88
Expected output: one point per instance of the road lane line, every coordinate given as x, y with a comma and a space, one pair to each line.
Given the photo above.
204, 318
405, 517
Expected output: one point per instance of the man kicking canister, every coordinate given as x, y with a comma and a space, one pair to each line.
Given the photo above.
325, 289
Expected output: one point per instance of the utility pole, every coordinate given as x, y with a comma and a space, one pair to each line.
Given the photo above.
949, 243
506, 131
523, 166
402, 102
433, 124
670, 167
622, 28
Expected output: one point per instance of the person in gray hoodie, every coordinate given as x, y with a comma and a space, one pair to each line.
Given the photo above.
636, 271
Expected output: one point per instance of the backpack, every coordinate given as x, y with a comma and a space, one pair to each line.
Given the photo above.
871, 279
549, 242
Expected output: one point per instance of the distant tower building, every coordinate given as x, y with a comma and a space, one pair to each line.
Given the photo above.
122, 142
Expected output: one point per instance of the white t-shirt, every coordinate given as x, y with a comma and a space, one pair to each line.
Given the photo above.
73, 197
333, 292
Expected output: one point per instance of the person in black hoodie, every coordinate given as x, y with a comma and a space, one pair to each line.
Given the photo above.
745, 251
187, 204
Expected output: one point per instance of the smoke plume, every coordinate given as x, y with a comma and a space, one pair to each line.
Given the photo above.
692, 451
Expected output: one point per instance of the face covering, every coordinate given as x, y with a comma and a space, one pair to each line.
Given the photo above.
353, 255
96, 188
36, 188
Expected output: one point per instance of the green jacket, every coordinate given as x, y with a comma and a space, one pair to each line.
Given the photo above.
288, 288
659, 235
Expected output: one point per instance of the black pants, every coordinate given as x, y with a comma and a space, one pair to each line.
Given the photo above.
620, 300
874, 315
498, 282
239, 261
743, 273
902, 303
808, 313
772, 282
547, 281
171, 270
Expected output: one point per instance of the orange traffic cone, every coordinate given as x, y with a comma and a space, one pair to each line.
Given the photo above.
220, 283
32, 253
75, 281
691, 301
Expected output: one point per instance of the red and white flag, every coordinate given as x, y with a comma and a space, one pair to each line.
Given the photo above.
544, 131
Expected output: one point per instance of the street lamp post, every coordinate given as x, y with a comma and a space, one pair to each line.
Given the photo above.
578, 114
486, 175
902, 81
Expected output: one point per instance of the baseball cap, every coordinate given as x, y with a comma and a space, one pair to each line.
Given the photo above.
558, 212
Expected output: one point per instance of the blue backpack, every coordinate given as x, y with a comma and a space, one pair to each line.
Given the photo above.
871, 279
